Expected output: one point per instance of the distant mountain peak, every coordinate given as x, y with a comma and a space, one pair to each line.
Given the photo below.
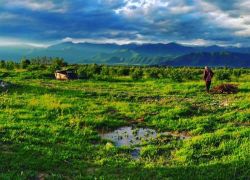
174, 43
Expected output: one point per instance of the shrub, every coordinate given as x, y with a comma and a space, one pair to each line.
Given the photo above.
237, 73
153, 73
25, 63
52, 68
2, 64
177, 77
83, 73
36, 67
94, 69
105, 71
137, 74
123, 71
223, 75
10, 65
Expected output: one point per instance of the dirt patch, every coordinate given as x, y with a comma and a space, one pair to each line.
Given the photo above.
225, 89
111, 111
181, 135
243, 124
225, 103
137, 121
42, 176
142, 118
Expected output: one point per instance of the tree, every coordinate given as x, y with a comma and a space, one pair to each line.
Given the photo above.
10, 65
94, 69
2, 64
59, 62
123, 71
153, 73
223, 75
137, 74
25, 63
83, 73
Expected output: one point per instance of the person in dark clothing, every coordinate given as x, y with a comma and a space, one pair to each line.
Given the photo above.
207, 76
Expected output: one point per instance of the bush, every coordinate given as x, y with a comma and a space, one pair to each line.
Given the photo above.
175, 76
25, 63
105, 71
59, 62
94, 69
10, 65
36, 67
123, 71
52, 68
4, 74
153, 73
83, 73
237, 73
137, 74
223, 75
2, 64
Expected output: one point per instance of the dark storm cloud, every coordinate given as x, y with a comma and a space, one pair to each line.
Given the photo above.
123, 21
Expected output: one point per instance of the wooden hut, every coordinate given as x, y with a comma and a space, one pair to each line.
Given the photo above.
66, 74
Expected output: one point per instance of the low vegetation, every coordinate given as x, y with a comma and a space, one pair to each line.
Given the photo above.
50, 129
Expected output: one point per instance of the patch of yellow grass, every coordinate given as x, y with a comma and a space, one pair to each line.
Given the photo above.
49, 102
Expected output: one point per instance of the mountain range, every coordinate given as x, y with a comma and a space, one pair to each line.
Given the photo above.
171, 54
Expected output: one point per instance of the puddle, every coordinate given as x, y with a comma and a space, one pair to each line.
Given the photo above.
135, 153
134, 136
128, 136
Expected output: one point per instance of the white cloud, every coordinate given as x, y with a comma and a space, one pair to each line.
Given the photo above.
181, 9
244, 5
197, 42
206, 42
141, 7
104, 40
8, 41
152, 7
238, 24
155, 16
35, 5
243, 33
7, 17
139, 40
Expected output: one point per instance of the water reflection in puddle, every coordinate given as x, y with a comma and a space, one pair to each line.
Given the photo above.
128, 136
134, 136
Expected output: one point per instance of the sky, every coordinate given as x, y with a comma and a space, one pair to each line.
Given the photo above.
193, 22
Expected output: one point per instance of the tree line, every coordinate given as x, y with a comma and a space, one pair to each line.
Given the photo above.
108, 72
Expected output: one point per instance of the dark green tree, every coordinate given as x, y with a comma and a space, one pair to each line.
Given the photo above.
137, 74
25, 63
2, 64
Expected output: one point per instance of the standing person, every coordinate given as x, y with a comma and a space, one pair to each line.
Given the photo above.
207, 76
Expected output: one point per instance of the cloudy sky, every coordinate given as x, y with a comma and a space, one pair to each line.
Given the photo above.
194, 22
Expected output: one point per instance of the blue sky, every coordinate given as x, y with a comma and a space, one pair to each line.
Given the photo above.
193, 22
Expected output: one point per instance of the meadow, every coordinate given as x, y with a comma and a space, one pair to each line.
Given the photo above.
51, 129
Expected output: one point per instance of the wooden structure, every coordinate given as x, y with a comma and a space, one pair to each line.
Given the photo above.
66, 74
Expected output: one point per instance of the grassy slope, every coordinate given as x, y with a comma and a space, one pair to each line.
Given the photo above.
50, 128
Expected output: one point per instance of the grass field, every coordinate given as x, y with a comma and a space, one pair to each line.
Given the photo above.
50, 129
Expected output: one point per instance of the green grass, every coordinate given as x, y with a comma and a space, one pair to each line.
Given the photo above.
49, 129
